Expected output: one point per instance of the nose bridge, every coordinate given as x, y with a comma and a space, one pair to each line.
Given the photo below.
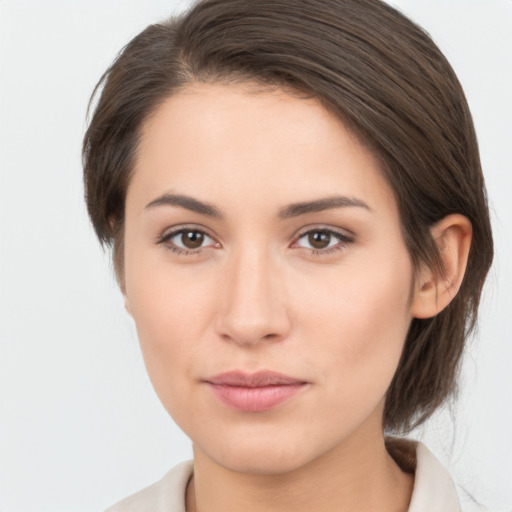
253, 308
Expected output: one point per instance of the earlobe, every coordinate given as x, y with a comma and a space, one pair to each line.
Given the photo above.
125, 297
122, 287
127, 305
435, 289
126, 300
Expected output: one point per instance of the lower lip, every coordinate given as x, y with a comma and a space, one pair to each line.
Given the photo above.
255, 399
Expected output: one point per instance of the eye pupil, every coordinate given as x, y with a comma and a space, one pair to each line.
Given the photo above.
192, 239
319, 239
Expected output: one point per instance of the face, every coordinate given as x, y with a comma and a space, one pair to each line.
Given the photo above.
266, 274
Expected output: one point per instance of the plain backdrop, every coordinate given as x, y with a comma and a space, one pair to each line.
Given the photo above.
80, 426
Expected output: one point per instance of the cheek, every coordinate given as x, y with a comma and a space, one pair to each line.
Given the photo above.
359, 316
172, 311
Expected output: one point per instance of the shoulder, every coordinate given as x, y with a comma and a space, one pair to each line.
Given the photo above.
166, 495
433, 486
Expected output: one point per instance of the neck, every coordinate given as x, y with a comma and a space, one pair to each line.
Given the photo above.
357, 475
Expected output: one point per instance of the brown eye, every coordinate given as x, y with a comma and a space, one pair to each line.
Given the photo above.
324, 241
319, 239
192, 239
187, 241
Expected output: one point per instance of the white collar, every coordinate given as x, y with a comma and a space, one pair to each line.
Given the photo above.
433, 487
433, 490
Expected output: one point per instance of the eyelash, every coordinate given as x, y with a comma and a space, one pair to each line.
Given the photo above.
344, 241
165, 241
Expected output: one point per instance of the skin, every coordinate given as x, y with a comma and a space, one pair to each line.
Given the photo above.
257, 296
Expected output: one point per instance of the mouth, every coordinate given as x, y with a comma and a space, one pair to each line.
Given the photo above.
256, 392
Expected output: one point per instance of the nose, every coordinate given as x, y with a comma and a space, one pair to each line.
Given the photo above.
252, 306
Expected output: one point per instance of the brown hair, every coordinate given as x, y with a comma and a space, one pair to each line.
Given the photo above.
383, 76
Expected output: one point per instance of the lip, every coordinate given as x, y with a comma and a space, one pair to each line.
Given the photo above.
254, 392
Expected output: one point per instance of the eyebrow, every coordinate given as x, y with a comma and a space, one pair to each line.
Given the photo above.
327, 203
292, 210
186, 202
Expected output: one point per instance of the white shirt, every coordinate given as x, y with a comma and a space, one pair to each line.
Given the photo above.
433, 490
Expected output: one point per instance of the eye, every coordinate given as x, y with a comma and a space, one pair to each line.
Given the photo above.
323, 241
187, 241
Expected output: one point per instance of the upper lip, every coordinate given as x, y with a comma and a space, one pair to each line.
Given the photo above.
253, 380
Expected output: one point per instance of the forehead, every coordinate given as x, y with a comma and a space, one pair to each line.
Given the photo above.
239, 141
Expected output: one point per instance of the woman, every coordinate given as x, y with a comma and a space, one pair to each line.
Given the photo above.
294, 198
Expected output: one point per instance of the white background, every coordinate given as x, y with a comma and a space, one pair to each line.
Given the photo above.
80, 426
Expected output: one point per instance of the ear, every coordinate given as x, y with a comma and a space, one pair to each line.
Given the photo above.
127, 305
435, 289
122, 287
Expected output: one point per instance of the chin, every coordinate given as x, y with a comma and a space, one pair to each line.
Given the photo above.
270, 455
259, 462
